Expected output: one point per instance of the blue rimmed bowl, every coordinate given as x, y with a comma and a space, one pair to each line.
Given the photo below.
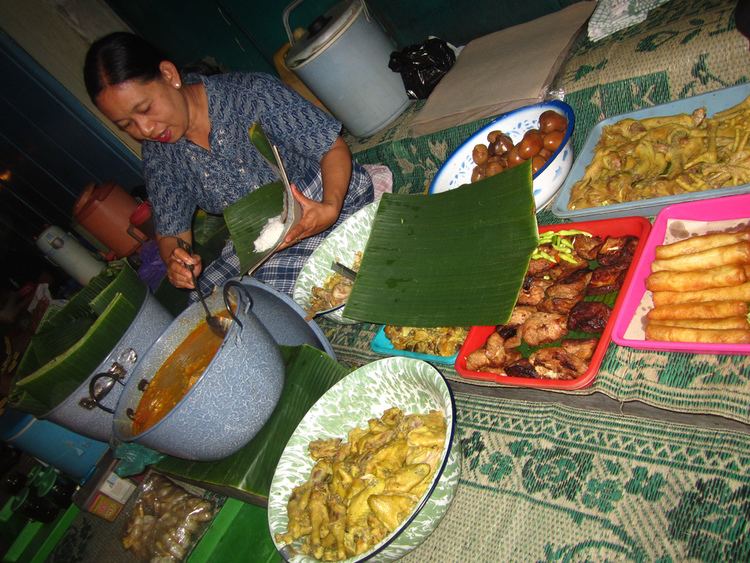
456, 170
413, 386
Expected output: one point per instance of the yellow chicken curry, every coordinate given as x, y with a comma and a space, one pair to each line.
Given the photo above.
361, 490
176, 376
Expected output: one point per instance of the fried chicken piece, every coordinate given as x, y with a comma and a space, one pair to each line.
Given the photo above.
581, 347
532, 291
587, 247
520, 314
617, 250
589, 316
521, 368
557, 305
477, 360
606, 279
543, 327
556, 363
562, 296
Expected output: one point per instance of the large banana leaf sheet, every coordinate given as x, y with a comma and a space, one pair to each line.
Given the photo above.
456, 258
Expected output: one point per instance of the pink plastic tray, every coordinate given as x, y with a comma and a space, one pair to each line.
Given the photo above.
717, 209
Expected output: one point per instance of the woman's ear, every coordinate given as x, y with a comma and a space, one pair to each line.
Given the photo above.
170, 73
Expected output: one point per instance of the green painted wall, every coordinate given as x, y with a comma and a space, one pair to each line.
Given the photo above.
244, 35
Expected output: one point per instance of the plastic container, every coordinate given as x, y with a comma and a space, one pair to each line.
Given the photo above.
712, 101
718, 209
142, 219
63, 250
381, 344
343, 59
71, 453
104, 211
634, 226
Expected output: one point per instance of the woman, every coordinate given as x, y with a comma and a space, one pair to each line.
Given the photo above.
197, 153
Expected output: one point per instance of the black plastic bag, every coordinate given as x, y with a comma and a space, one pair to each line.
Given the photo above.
422, 66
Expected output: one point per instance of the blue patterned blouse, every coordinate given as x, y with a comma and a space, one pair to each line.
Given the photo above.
182, 176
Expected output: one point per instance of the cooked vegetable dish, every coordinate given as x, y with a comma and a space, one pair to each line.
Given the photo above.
667, 155
439, 341
361, 490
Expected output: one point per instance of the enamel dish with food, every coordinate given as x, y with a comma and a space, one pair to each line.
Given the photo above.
703, 223
677, 133
414, 388
317, 275
451, 338
560, 328
547, 180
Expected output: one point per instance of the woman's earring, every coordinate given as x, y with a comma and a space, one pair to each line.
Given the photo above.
177, 85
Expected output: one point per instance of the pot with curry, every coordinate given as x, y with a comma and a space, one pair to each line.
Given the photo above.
198, 396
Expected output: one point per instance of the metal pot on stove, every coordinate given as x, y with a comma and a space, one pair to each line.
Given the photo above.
231, 399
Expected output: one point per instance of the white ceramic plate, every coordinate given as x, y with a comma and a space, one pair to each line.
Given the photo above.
341, 246
412, 385
456, 171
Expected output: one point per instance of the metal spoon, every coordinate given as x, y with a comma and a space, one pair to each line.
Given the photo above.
214, 323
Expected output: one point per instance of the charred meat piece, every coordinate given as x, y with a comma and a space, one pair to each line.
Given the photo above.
587, 247
564, 268
507, 331
557, 305
606, 279
477, 360
537, 266
521, 368
581, 347
532, 291
572, 286
494, 349
589, 316
541, 327
617, 250
556, 363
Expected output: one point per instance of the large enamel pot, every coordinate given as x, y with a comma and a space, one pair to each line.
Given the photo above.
79, 411
228, 404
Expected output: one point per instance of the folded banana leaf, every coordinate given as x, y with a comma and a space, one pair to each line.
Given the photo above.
247, 474
246, 219
456, 258
71, 343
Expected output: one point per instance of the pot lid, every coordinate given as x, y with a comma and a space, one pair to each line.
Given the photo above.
323, 32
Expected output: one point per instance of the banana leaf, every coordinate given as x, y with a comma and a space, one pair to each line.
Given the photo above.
127, 283
260, 141
58, 378
247, 474
246, 218
456, 258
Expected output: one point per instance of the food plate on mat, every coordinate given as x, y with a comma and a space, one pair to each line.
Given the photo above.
673, 224
560, 328
417, 422
343, 245
548, 178
664, 147
451, 338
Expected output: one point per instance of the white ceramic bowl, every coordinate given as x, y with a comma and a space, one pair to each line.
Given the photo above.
456, 170
412, 385
341, 246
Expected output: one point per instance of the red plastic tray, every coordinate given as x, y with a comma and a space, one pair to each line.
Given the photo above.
635, 226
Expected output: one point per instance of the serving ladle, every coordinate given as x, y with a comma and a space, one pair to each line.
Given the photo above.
214, 323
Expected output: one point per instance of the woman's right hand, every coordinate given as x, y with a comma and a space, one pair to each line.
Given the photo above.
177, 260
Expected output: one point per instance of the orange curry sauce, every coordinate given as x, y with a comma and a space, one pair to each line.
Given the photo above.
176, 376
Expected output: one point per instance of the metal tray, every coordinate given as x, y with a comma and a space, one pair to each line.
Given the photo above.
712, 101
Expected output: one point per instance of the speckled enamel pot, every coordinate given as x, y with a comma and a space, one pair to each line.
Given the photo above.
412, 385
228, 404
78, 412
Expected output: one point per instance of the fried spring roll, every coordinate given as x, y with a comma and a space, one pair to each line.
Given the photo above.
738, 253
709, 310
700, 243
722, 276
708, 336
733, 293
716, 324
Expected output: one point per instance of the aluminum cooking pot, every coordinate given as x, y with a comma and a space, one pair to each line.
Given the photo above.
232, 399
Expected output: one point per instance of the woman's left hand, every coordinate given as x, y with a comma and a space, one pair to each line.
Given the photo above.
316, 217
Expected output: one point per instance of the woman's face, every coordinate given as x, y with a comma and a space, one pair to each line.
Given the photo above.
148, 111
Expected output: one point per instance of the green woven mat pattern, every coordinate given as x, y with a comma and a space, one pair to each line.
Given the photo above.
548, 483
684, 48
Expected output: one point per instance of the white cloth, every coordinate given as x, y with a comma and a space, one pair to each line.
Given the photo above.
611, 16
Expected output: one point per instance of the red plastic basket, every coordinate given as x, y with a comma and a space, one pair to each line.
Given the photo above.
634, 226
